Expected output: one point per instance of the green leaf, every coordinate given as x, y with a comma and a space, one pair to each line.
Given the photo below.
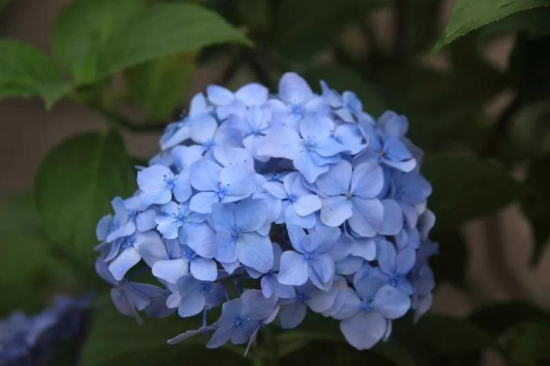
447, 334
29, 271
465, 187
74, 186
159, 86
533, 23
118, 340
469, 15
98, 38
342, 78
537, 205
527, 345
497, 318
27, 72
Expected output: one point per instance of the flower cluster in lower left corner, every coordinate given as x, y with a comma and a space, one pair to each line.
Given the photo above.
33, 340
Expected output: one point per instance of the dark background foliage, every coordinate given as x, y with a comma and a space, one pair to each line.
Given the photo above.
105, 76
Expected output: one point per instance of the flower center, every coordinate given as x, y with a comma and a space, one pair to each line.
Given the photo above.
292, 197
208, 144
239, 322
188, 254
336, 136
366, 307
297, 109
302, 298
128, 242
180, 216
309, 144
169, 180
310, 257
205, 287
221, 191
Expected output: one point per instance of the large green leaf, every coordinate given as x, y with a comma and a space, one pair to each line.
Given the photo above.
97, 38
159, 86
469, 15
537, 205
118, 340
465, 187
497, 318
74, 186
342, 78
27, 72
527, 345
29, 271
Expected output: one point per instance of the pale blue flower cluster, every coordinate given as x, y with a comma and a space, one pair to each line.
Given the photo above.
33, 340
272, 204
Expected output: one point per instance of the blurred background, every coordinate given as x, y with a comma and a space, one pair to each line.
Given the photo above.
485, 94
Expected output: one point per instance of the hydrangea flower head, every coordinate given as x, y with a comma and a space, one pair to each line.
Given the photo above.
273, 205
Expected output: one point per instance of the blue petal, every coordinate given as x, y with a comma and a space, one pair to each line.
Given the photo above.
367, 217
250, 215
146, 220
281, 142
324, 267
291, 218
123, 262
220, 337
405, 261
367, 180
252, 94
227, 156
226, 247
391, 302
239, 180
191, 304
255, 251
170, 270
335, 210
386, 257
203, 241
219, 95
205, 175
202, 202
393, 218
336, 181
293, 269
307, 204
305, 164
364, 330
292, 315
204, 269
294, 89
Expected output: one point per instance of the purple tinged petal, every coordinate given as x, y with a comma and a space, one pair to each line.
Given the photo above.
221, 336
386, 257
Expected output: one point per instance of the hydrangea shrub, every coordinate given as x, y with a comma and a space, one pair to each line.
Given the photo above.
270, 205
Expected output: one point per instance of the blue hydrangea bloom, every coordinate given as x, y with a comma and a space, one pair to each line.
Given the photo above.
271, 206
